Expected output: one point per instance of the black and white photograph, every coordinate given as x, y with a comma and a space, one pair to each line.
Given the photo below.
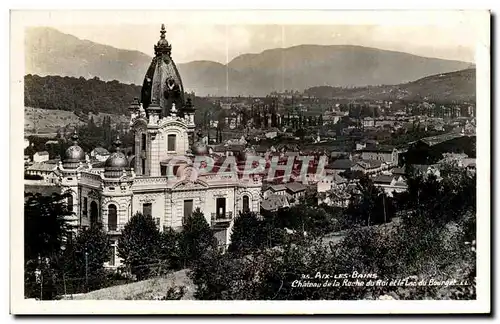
250, 159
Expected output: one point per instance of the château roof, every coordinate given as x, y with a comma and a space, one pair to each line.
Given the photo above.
161, 70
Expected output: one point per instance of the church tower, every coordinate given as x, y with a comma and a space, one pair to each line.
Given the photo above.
162, 119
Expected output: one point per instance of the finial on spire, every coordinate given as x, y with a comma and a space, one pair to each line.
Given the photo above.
74, 137
117, 143
162, 31
162, 47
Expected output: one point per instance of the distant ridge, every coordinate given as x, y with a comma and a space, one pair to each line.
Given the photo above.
449, 87
50, 52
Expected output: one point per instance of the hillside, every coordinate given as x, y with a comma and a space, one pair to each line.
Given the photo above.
58, 101
44, 121
143, 290
456, 86
49, 52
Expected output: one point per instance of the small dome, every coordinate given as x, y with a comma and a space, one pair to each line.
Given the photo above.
74, 153
200, 148
117, 160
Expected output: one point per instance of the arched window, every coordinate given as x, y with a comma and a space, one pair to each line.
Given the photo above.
70, 203
112, 218
94, 213
143, 142
171, 142
246, 204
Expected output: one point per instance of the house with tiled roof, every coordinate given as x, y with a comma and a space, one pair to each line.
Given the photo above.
334, 197
388, 155
295, 190
41, 156
274, 202
42, 169
369, 166
338, 166
331, 181
276, 189
390, 183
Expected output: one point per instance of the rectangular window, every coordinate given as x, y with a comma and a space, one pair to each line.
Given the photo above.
221, 207
147, 209
143, 166
246, 204
143, 142
70, 203
112, 255
171, 143
163, 170
84, 211
188, 208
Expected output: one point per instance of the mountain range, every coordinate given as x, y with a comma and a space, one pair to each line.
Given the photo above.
50, 52
444, 88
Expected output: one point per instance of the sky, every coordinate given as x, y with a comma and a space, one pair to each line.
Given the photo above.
221, 43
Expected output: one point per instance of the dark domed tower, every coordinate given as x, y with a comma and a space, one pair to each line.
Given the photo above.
162, 84
163, 119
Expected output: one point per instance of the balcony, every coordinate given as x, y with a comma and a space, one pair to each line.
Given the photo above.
221, 220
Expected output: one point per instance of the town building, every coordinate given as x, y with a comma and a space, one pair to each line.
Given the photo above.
384, 154
390, 183
39, 157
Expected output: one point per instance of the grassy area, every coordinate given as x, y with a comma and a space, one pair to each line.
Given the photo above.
45, 121
143, 290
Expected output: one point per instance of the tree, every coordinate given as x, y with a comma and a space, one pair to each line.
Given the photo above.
248, 234
196, 238
170, 252
320, 120
85, 257
46, 229
370, 206
139, 244
46, 225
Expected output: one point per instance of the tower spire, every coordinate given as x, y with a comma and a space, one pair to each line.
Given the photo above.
117, 143
74, 138
162, 31
162, 47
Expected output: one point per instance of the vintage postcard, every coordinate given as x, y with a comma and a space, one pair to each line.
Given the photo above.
250, 162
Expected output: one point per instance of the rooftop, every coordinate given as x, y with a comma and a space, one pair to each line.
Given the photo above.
340, 164
278, 187
40, 166
273, 202
369, 164
42, 189
295, 186
384, 179
433, 140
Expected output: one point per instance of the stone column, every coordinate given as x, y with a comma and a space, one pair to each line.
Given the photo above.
154, 161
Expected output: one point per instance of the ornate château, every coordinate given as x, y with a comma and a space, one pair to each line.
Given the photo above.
162, 179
